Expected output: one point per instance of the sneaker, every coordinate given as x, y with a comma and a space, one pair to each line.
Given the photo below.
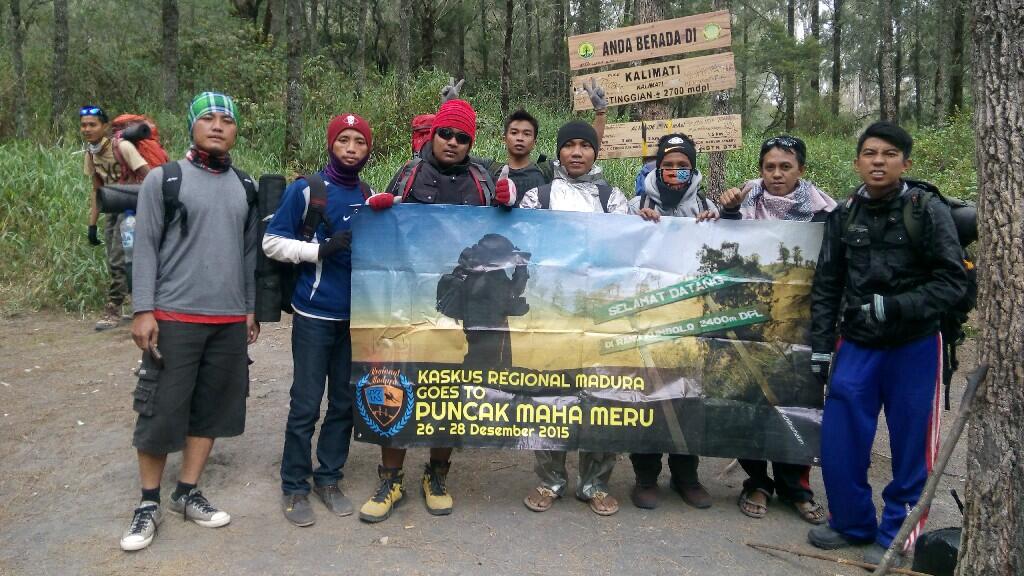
435, 493
140, 532
873, 555
334, 499
111, 317
389, 493
297, 510
826, 538
195, 507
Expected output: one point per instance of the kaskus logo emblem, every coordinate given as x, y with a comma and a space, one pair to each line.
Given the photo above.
385, 400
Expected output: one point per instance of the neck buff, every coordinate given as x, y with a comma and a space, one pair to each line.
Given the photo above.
207, 161
98, 147
800, 204
671, 197
341, 174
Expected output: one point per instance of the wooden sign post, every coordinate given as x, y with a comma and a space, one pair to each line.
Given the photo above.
710, 133
665, 38
658, 81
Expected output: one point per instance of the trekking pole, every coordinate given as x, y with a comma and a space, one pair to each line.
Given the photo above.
843, 561
974, 381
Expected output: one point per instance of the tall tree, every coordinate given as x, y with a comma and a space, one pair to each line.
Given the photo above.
559, 55
310, 27
293, 105
18, 60
59, 84
360, 68
528, 24
721, 103
403, 50
506, 60
956, 60
460, 29
915, 63
993, 537
427, 25
939, 56
789, 82
816, 34
886, 62
897, 91
651, 11
837, 62
485, 42
540, 47
169, 51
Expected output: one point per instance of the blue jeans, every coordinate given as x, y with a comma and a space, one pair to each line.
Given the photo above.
321, 358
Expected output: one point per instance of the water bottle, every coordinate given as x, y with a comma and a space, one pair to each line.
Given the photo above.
128, 234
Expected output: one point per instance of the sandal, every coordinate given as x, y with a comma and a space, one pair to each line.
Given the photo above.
810, 511
751, 508
603, 504
540, 499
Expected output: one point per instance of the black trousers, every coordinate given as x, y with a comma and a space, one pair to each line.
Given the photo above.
683, 468
791, 482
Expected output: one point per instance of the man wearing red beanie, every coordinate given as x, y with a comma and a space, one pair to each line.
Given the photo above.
318, 237
442, 173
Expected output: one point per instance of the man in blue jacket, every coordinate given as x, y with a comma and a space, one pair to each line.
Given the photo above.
321, 347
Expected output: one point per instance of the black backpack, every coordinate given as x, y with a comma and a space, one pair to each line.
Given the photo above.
951, 324
450, 301
604, 193
171, 188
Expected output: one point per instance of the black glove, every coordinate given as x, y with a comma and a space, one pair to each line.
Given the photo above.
94, 238
881, 309
340, 241
821, 367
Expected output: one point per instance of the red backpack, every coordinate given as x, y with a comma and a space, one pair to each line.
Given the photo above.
421, 131
142, 132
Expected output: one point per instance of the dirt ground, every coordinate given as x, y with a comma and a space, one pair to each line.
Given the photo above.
68, 483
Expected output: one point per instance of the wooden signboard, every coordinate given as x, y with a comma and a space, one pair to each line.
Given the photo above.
643, 41
659, 81
711, 133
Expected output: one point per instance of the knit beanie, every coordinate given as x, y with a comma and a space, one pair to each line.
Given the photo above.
207, 102
578, 129
456, 114
335, 170
345, 121
677, 143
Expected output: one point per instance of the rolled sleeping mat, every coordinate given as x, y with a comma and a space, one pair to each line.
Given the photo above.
116, 198
268, 271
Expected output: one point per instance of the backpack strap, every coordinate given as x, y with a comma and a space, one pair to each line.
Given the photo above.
702, 200
480, 179
544, 196
316, 208
604, 193
249, 184
365, 189
913, 210
170, 189
409, 176
547, 170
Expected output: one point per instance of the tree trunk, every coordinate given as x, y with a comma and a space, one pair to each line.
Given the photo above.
540, 47
506, 60
314, 41
268, 19
60, 63
559, 55
956, 61
528, 23
360, 63
18, 60
789, 82
939, 55
993, 538
293, 105
403, 50
651, 11
721, 103
837, 63
427, 33
886, 63
485, 42
460, 15
745, 67
897, 91
169, 51
816, 34
915, 63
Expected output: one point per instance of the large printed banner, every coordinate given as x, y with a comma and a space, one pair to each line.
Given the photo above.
538, 329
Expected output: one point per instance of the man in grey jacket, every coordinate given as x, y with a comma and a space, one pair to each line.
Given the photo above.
194, 299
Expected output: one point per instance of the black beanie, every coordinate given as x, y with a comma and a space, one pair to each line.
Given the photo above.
578, 129
677, 143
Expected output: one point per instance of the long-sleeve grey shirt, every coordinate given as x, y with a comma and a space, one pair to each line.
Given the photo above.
209, 271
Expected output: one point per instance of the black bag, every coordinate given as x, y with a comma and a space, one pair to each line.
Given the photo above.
936, 552
450, 299
117, 198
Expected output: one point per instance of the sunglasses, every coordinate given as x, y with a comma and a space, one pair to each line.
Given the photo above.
449, 133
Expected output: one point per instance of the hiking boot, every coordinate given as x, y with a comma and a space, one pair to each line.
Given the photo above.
693, 494
297, 510
873, 555
111, 317
195, 507
389, 493
826, 538
435, 492
334, 499
644, 496
140, 532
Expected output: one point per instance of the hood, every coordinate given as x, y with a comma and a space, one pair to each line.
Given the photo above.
689, 197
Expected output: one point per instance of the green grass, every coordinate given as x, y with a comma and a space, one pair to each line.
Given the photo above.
47, 262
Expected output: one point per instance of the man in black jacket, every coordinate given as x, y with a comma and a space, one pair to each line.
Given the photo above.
885, 289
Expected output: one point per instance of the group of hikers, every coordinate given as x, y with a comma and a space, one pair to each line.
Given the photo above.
890, 264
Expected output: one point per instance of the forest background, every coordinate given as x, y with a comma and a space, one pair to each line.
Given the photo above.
820, 70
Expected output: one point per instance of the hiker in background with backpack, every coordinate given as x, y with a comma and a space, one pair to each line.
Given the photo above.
885, 291
109, 161
780, 193
578, 187
194, 300
311, 228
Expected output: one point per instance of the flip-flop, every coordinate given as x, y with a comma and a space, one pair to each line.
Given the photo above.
540, 499
814, 514
603, 504
750, 508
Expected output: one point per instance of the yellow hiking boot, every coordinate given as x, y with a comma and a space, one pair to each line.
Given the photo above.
435, 492
389, 494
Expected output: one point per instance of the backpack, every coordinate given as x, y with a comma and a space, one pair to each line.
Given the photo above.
604, 193
952, 320
409, 178
421, 131
143, 133
171, 187
449, 294
316, 212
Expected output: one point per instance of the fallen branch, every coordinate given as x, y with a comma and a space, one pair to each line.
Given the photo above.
844, 561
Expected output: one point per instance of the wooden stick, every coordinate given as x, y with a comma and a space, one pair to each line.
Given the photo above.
974, 381
844, 561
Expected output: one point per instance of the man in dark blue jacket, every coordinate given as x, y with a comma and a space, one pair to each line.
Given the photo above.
890, 265
321, 346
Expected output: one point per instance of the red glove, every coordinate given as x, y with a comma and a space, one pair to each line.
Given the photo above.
505, 189
381, 201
